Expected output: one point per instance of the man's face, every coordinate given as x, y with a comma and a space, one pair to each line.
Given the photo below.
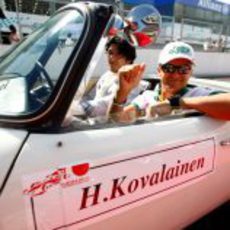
175, 75
115, 59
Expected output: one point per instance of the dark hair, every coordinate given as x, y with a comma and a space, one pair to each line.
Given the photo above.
12, 29
123, 47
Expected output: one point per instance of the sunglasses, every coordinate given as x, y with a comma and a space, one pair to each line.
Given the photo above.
181, 69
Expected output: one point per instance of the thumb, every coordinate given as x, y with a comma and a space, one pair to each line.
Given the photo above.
142, 68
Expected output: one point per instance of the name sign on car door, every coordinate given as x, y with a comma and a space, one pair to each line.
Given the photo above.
75, 194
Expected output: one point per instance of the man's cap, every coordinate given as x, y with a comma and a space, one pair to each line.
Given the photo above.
176, 50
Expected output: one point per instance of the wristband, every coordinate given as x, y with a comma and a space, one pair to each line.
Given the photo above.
175, 102
118, 104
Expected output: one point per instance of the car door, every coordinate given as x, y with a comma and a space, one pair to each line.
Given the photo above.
132, 176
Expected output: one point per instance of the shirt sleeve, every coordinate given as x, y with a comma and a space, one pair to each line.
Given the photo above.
201, 91
100, 106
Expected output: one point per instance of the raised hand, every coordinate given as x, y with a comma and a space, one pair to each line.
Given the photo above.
129, 78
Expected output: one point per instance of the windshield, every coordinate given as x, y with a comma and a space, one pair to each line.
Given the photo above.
30, 72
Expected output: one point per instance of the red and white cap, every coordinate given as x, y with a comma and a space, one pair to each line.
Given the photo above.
176, 50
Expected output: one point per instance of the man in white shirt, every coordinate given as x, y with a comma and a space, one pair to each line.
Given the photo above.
119, 53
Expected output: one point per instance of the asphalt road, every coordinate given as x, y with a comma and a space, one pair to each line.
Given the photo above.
219, 219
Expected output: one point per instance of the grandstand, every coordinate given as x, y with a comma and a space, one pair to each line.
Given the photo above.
41, 7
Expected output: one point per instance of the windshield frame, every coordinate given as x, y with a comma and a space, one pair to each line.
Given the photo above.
45, 115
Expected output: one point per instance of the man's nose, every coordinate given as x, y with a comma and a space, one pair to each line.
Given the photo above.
110, 56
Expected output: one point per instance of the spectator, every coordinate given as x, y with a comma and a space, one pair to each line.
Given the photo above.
13, 36
207, 44
221, 44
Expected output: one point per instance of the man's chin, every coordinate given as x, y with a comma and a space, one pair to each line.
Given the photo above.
173, 90
171, 87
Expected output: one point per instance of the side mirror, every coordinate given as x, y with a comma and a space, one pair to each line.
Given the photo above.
140, 27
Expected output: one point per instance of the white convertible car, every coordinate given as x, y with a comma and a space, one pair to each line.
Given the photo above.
159, 174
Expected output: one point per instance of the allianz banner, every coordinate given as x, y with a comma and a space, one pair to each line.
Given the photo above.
214, 5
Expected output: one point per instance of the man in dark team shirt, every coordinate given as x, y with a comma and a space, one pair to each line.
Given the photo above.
175, 67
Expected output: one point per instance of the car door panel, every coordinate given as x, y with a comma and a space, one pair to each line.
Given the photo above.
79, 179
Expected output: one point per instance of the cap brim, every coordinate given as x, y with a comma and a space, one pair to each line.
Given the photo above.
167, 60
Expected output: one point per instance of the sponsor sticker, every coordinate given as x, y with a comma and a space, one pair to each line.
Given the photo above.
64, 177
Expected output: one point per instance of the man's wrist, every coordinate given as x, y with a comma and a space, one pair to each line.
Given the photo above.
119, 103
121, 96
183, 103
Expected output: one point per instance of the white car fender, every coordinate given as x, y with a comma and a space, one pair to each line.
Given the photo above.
11, 141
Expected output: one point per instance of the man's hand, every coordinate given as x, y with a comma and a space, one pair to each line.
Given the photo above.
14, 37
159, 109
129, 78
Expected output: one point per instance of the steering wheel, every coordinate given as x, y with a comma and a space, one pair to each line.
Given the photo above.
41, 89
44, 75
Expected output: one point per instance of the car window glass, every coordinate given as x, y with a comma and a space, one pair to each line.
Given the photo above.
30, 73
86, 89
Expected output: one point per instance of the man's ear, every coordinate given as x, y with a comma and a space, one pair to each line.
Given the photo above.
129, 62
159, 70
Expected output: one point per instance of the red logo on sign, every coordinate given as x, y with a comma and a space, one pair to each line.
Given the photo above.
80, 170
60, 177
40, 187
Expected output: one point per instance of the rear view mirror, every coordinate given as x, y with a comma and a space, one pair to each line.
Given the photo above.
140, 27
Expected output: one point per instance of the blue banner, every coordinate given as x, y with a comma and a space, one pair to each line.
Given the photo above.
137, 2
208, 5
213, 5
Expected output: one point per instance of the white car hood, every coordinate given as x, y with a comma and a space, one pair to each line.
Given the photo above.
11, 141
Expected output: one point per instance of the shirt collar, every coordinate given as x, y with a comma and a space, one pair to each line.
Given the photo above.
181, 93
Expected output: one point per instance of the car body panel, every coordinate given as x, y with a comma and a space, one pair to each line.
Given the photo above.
113, 154
11, 142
